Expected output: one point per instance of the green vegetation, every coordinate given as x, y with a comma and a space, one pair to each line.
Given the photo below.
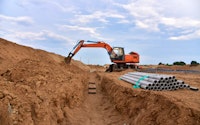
181, 63
194, 63
168, 64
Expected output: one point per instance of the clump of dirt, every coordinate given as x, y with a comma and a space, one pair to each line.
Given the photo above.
147, 107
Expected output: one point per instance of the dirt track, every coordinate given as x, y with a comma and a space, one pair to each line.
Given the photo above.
37, 88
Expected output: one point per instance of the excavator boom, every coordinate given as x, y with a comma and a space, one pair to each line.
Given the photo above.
81, 44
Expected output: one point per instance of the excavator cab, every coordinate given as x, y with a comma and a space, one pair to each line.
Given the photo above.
117, 54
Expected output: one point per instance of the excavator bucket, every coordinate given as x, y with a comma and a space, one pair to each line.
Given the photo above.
68, 59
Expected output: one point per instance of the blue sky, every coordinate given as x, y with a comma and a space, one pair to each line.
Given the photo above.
160, 31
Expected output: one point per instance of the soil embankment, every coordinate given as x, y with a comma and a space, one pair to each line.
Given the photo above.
148, 107
36, 86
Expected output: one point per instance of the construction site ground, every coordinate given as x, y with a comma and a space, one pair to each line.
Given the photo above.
38, 88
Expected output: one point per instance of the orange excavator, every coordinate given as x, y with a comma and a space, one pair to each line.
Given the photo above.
119, 59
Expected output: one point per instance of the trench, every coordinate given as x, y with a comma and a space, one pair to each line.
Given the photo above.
114, 104
144, 107
97, 109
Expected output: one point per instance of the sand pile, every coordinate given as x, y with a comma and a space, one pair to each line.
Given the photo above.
36, 86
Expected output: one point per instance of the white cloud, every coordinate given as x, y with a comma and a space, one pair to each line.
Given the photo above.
90, 30
189, 36
180, 8
31, 36
141, 24
144, 14
97, 16
62, 6
55, 35
35, 36
152, 15
141, 8
124, 21
180, 22
147, 24
24, 20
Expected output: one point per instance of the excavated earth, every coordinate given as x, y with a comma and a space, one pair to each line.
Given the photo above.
38, 88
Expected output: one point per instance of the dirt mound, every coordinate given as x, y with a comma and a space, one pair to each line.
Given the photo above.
146, 107
36, 85
11, 53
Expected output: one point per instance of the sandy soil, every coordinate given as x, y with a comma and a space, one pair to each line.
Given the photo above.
96, 109
155, 107
37, 88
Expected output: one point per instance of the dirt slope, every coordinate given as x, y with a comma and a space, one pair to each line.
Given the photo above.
36, 85
149, 107
37, 88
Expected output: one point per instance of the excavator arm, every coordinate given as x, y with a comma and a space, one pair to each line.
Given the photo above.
81, 44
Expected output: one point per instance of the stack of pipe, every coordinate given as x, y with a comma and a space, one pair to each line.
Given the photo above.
152, 81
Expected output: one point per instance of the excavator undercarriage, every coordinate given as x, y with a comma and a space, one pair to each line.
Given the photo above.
120, 67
